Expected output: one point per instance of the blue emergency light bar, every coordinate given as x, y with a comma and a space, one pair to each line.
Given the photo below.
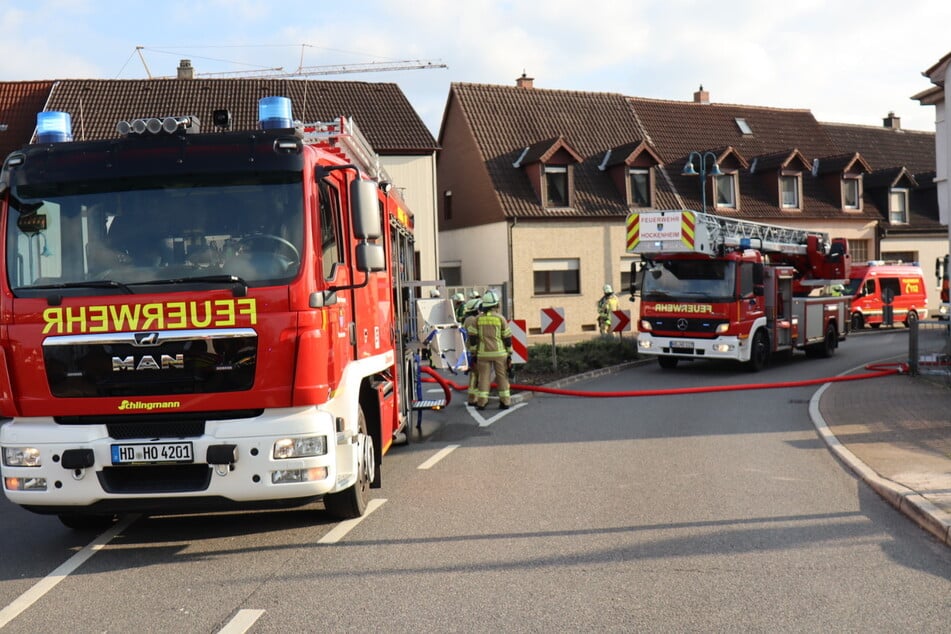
53, 127
274, 113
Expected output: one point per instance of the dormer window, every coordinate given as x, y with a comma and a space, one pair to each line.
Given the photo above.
789, 187
851, 193
556, 186
640, 183
898, 206
724, 190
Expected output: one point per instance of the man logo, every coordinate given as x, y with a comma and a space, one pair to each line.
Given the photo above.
145, 339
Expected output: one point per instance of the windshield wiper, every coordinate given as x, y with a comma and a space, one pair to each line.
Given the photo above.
89, 284
240, 290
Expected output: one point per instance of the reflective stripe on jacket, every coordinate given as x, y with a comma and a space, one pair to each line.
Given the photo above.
493, 338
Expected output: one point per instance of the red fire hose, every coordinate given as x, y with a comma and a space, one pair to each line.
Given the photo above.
875, 370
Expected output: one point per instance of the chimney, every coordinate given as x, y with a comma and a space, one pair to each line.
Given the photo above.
892, 122
701, 96
525, 81
185, 70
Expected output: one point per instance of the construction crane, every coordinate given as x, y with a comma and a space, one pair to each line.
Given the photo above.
309, 71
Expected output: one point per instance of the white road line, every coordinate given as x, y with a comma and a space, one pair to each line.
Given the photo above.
442, 453
485, 422
344, 527
40, 588
241, 622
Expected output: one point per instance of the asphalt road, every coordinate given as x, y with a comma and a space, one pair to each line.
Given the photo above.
719, 511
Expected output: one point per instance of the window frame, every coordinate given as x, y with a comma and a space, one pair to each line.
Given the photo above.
902, 193
549, 173
796, 179
547, 271
648, 174
733, 203
850, 182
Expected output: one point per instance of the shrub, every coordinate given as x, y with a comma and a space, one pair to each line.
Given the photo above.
599, 352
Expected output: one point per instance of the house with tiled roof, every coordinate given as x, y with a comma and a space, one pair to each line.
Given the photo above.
406, 147
535, 184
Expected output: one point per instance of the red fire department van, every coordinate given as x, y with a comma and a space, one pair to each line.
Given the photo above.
876, 285
201, 320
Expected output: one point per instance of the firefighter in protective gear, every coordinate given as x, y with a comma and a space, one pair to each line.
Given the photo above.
469, 323
492, 341
606, 306
459, 306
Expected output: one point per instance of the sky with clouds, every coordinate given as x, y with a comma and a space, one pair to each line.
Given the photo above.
847, 62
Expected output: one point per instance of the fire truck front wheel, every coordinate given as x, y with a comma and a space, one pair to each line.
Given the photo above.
858, 322
352, 501
759, 352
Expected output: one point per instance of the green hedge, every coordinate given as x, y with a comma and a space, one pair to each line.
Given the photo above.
600, 352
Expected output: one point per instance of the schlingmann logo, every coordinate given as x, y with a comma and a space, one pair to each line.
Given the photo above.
146, 405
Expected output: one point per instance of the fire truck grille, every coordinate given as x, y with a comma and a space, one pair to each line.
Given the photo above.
181, 425
119, 364
163, 479
682, 325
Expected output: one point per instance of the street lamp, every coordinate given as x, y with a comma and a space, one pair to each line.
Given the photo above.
690, 171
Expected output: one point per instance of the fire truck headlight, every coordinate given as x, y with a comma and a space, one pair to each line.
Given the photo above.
722, 347
291, 476
944, 309
22, 457
722, 328
299, 447
25, 484
645, 325
643, 343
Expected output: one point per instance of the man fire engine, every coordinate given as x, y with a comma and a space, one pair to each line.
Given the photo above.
201, 320
719, 288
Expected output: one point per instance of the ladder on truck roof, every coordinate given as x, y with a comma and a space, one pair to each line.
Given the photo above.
343, 135
680, 230
733, 232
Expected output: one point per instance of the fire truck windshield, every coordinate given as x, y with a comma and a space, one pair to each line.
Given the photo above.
87, 236
692, 280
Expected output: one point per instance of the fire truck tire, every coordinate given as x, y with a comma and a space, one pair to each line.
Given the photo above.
858, 322
759, 352
826, 348
668, 363
352, 501
80, 522
910, 318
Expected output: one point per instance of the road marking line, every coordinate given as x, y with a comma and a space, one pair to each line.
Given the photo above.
344, 527
241, 622
40, 588
485, 422
442, 453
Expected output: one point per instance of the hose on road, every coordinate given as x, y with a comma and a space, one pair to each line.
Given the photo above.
875, 370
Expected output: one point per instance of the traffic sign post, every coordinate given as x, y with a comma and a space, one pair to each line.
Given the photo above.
553, 320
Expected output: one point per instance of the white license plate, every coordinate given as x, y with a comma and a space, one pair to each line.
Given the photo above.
152, 452
681, 345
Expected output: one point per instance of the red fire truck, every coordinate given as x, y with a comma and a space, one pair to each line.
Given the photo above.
200, 319
720, 288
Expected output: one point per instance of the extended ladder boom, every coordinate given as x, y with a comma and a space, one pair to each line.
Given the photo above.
681, 231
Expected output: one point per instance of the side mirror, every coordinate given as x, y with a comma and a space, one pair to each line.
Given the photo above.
365, 207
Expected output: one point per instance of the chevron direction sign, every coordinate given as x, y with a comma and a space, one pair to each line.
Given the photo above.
620, 320
553, 320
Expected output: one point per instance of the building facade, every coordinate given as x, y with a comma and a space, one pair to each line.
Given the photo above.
534, 185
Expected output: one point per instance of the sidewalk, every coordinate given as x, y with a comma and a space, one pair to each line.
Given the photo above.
894, 432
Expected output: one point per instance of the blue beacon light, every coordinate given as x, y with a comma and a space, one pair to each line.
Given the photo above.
274, 113
54, 127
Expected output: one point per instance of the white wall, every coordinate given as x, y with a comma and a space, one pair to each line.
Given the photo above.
482, 252
415, 177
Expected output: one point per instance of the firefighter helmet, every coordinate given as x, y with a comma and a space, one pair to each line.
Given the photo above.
473, 294
490, 300
607, 289
473, 305
459, 297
